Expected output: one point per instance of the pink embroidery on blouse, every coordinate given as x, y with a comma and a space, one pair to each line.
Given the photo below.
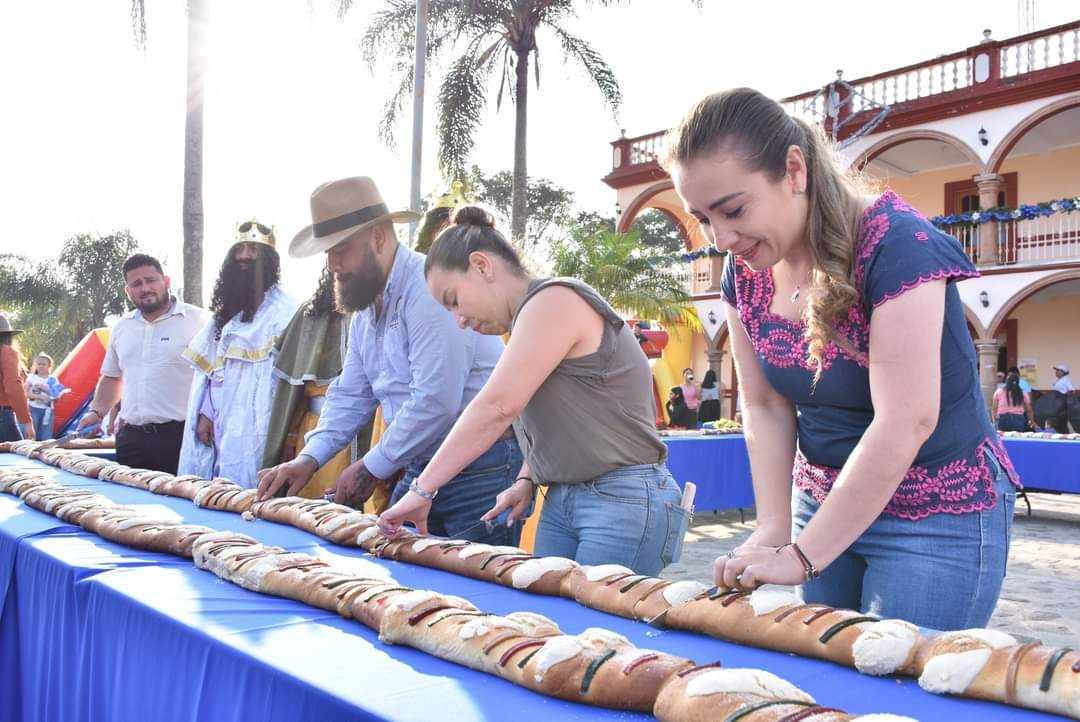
784, 343
958, 487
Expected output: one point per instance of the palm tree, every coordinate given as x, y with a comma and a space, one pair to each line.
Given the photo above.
634, 278
489, 38
193, 138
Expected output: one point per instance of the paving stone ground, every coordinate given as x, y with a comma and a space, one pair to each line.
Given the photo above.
1041, 595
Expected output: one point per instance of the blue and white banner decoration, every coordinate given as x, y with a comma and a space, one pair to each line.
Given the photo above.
1021, 213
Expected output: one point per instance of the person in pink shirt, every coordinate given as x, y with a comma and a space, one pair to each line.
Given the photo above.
1012, 406
690, 390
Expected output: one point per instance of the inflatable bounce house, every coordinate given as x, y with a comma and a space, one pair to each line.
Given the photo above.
79, 372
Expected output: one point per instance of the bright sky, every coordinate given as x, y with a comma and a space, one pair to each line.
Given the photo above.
92, 130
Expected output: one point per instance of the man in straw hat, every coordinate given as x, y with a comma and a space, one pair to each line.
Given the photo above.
233, 355
15, 421
406, 353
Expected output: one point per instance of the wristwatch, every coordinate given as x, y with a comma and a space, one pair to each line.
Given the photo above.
415, 488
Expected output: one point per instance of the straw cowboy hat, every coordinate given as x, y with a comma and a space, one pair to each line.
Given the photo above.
5, 325
340, 208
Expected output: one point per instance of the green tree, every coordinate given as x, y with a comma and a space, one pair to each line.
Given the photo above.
91, 268
549, 206
57, 301
36, 299
197, 62
634, 278
489, 39
655, 228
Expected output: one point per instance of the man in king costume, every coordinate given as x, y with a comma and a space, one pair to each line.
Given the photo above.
233, 355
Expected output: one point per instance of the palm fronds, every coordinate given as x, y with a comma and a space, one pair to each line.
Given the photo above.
633, 278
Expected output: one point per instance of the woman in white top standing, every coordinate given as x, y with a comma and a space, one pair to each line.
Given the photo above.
1064, 383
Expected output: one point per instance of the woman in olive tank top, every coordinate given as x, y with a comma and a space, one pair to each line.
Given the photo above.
577, 388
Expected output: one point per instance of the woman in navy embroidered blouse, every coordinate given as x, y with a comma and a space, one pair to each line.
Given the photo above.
859, 378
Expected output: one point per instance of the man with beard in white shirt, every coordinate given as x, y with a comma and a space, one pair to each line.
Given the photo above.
144, 366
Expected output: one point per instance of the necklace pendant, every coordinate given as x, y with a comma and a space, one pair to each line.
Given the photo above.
795, 296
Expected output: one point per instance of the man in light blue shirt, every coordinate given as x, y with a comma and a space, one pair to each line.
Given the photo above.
407, 354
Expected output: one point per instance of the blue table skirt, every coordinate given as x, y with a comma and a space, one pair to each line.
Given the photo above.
718, 465
1046, 464
94, 631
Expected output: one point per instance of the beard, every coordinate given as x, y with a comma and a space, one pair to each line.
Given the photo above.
357, 290
241, 286
153, 303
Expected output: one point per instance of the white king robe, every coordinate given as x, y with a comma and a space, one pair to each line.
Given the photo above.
242, 361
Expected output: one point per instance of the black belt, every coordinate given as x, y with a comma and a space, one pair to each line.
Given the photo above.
154, 428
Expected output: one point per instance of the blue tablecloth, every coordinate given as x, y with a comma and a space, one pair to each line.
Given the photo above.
90, 630
1046, 464
718, 465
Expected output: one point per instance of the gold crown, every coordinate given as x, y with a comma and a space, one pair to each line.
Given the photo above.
254, 232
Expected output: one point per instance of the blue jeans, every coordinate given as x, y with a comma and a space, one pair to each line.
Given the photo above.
38, 416
943, 572
629, 516
471, 494
1012, 422
9, 429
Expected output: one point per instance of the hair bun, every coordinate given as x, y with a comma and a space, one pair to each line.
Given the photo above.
472, 216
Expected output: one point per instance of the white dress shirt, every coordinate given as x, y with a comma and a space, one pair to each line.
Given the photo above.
147, 356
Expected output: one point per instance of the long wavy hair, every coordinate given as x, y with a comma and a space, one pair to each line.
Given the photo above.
1013, 391
758, 131
232, 294
322, 301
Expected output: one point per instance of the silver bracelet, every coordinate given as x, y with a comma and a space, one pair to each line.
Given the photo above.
415, 488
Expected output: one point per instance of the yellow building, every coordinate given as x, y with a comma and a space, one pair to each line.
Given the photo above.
994, 125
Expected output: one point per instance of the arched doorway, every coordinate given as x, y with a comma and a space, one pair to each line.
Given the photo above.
931, 170
934, 147
1056, 124
1040, 319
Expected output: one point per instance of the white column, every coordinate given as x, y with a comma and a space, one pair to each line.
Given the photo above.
988, 360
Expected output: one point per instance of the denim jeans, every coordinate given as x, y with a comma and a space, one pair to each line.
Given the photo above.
38, 417
9, 429
943, 572
1012, 422
629, 516
471, 494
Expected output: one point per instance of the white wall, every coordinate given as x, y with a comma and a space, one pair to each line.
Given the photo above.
1049, 332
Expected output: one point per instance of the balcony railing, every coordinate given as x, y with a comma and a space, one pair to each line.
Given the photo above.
1040, 240
629, 152
989, 66
1039, 51
985, 67
1023, 243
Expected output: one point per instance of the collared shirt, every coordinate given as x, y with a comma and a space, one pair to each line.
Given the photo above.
412, 359
147, 356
